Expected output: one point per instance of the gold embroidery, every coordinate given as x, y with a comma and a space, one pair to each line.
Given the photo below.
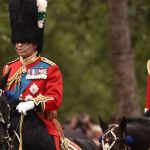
47, 61
15, 78
40, 98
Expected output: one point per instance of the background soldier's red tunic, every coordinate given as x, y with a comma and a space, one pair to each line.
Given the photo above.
147, 105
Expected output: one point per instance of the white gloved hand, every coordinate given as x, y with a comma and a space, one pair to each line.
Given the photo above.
23, 107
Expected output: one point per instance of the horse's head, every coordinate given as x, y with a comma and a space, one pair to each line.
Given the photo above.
113, 135
4, 115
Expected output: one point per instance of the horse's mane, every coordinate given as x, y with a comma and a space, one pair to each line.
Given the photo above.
33, 127
139, 120
80, 139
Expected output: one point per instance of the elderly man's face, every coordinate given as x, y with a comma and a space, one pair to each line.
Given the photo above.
25, 49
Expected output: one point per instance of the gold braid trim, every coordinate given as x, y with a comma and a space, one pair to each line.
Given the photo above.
148, 67
40, 98
14, 78
44, 59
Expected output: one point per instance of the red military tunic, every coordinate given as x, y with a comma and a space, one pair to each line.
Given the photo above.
147, 105
44, 85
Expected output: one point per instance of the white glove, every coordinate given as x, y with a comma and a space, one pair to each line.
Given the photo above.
23, 107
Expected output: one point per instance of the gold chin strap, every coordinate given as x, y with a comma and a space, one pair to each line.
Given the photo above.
26, 48
29, 45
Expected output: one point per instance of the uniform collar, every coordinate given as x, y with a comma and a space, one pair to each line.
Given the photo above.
29, 60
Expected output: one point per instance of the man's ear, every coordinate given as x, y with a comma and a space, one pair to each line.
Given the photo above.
3, 81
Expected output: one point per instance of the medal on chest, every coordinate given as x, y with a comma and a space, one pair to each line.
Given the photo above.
37, 73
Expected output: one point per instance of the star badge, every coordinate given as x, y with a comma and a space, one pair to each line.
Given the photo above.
34, 89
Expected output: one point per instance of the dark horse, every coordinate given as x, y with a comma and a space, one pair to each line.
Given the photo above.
34, 133
130, 133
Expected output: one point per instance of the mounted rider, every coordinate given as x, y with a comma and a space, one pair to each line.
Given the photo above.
34, 81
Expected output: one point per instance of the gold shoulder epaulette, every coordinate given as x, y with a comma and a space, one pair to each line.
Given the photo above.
44, 59
12, 61
148, 67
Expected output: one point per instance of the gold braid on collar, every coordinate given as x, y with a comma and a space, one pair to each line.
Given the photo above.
29, 60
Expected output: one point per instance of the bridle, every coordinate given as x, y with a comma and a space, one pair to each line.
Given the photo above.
106, 145
7, 139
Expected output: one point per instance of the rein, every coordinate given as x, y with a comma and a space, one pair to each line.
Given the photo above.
7, 138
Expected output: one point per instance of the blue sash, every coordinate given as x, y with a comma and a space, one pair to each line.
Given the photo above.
17, 91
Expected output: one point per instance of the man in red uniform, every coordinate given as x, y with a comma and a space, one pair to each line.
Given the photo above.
34, 81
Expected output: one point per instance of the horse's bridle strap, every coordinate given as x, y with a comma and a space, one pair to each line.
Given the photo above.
107, 146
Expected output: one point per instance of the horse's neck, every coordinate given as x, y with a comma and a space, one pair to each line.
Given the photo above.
140, 131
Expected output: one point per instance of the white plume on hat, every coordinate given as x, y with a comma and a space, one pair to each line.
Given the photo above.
42, 5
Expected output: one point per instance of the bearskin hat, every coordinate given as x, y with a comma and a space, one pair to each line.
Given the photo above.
27, 20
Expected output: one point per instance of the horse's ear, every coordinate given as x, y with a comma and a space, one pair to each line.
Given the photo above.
3, 81
122, 124
103, 124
